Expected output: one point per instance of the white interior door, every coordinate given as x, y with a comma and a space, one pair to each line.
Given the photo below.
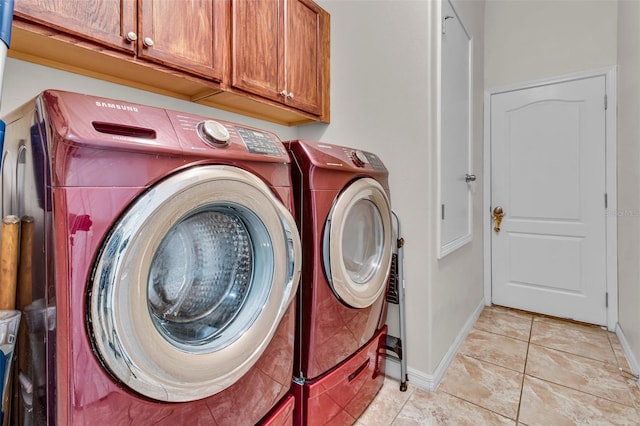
548, 175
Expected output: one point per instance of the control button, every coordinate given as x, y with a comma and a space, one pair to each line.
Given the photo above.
358, 158
214, 133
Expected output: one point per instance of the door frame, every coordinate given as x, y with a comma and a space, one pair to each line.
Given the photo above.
610, 177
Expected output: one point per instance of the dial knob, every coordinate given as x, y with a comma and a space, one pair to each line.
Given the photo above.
214, 133
359, 158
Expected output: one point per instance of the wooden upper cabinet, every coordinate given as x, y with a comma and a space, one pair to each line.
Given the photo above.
306, 56
106, 21
280, 51
187, 35
264, 58
257, 47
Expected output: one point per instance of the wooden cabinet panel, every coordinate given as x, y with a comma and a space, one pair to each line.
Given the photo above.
257, 47
191, 36
280, 51
106, 21
304, 55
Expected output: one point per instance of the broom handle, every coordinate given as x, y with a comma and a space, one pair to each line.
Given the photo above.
25, 269
24, 298
9, 251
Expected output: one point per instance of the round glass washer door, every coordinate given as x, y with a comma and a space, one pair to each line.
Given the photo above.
192, 283
357, 243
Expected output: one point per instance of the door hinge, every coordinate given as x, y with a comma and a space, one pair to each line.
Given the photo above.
606, 300
606, 201
442, 213
606, 102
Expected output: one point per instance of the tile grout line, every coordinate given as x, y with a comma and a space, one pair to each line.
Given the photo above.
524, 372
615, 357
402, 407
582, 391
479, 406
528, 341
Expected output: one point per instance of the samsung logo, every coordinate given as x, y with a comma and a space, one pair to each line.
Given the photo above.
116, 106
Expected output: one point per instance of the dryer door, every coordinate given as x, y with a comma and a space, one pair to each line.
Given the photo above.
192, 282
357, 243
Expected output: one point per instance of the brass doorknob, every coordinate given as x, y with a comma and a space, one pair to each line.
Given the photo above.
498, 214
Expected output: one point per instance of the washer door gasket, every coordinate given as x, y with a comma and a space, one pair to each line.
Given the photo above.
192, 282
357, 243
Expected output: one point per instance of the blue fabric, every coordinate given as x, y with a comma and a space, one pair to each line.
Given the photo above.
3, 365
2, 129
6, 18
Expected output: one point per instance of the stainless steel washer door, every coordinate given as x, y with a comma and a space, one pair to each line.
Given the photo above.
192, 282
357, 243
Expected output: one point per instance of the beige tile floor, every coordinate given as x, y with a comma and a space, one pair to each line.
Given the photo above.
516, 368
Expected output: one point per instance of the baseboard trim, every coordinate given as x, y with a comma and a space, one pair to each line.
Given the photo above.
633, 362
430, 382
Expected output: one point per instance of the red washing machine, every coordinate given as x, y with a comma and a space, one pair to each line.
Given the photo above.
344, 217
166, 262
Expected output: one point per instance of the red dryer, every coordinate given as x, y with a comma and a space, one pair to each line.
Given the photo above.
344, 217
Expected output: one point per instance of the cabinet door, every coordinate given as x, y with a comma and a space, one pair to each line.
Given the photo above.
105, 21
306, 39
190, 36
256, 47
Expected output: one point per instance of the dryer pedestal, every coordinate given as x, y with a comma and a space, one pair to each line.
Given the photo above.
344, 393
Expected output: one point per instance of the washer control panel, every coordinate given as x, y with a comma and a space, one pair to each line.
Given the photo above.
258, 142
199, 134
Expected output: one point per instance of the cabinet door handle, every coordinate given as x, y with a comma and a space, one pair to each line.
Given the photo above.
283, 93
290, 95
148, 41
131, 36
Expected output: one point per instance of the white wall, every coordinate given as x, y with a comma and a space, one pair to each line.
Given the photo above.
531, 39
457, 279
629, 173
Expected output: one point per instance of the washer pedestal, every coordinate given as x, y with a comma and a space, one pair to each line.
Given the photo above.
344, 393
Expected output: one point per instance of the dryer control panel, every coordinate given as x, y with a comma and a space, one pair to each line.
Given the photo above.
361, 158
331, 156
